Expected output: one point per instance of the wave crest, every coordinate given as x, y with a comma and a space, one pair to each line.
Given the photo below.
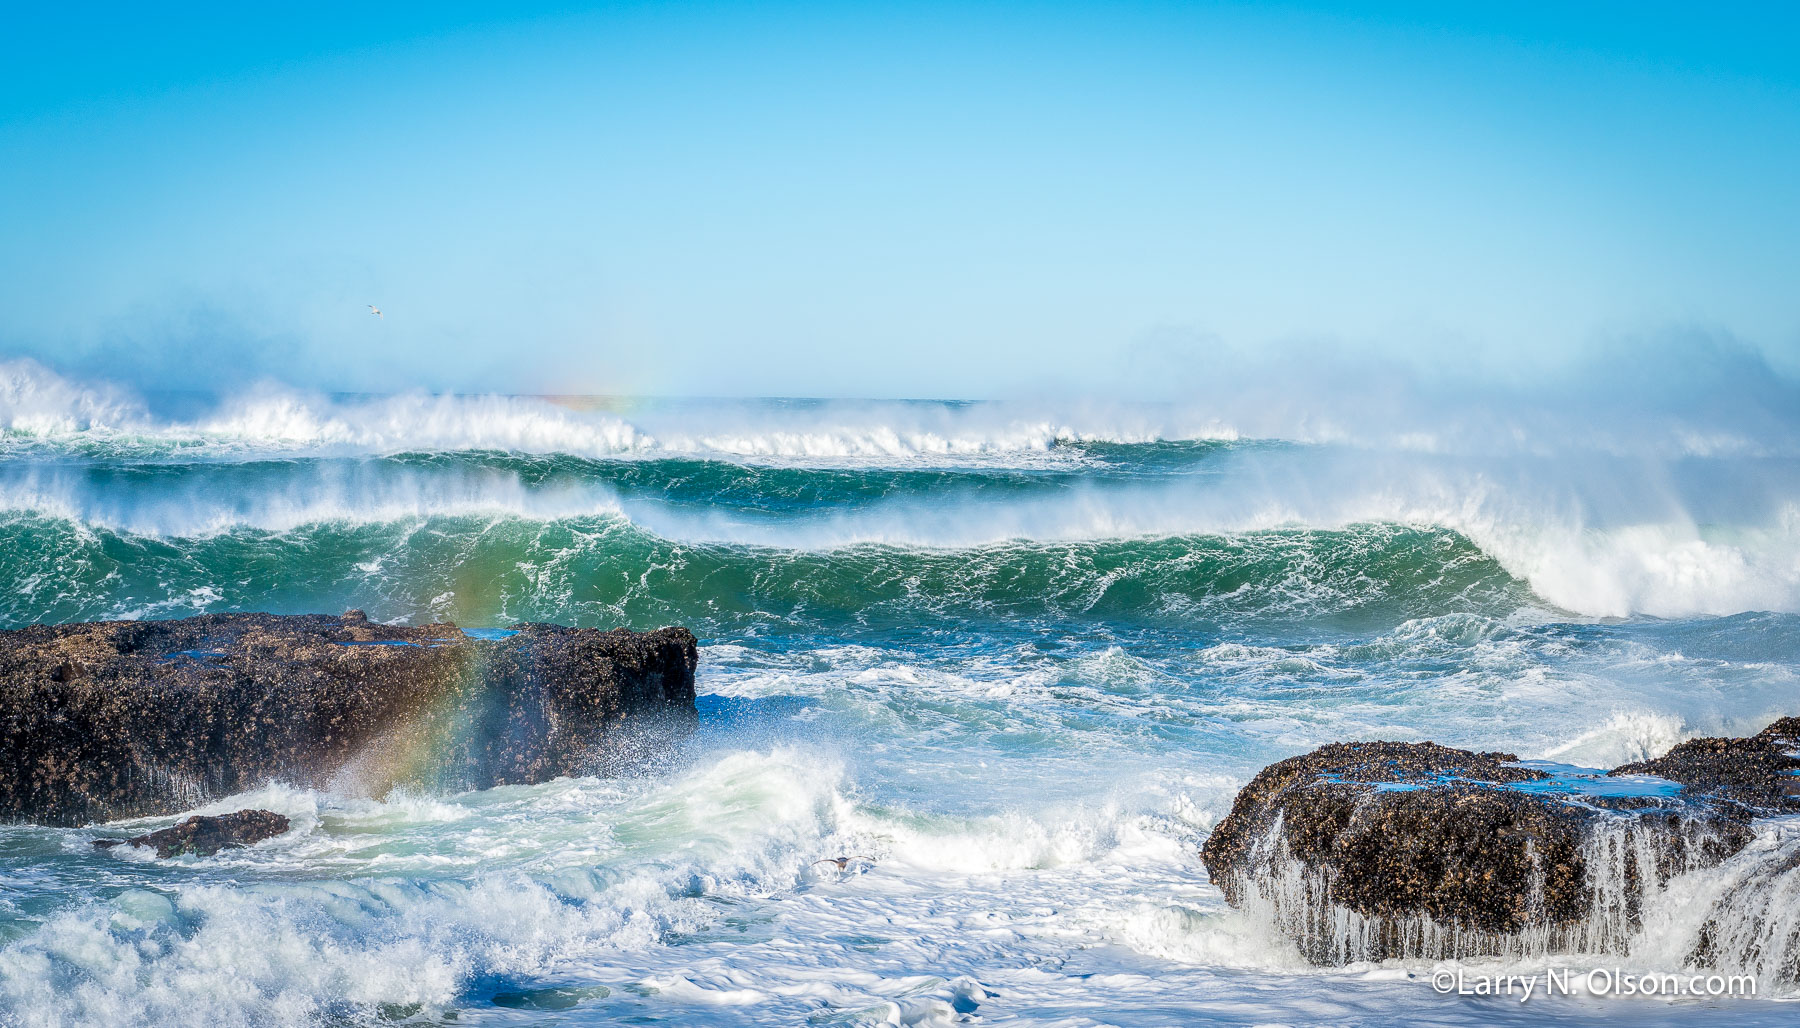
39, 407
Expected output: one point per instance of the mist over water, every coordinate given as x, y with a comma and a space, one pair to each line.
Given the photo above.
1022, 653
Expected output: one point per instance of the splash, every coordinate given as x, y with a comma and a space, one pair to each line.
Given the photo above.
1654, 902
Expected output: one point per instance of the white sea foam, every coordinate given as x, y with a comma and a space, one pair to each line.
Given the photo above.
367, 905
354, 493
1021, 892
544, 875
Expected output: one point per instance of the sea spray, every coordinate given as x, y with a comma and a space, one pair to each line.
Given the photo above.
1648, 893
1021, 654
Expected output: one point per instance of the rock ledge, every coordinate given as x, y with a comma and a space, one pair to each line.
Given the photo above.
1378, 850
118, 719
203, 835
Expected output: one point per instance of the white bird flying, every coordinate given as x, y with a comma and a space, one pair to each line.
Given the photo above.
375, 310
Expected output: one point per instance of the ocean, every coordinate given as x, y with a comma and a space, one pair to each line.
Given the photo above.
1013, 658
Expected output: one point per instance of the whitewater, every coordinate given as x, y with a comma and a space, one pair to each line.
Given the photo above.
1022, 654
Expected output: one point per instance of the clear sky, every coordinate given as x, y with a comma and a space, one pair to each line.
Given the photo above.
865, 199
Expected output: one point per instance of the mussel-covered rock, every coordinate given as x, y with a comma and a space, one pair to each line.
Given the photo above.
118, 719
1365, 851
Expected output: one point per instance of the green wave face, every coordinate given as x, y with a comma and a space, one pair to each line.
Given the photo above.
1211, 533
604, 570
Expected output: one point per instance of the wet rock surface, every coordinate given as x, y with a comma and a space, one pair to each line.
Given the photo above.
204, 835
1366, 851
1760, 773
106, 720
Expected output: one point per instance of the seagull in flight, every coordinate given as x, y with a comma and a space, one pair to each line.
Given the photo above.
375, 310
843, 863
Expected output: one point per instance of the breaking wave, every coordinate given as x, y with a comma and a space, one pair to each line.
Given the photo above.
603, 569
1022, 656
1603, 539
39, 408
1706, 402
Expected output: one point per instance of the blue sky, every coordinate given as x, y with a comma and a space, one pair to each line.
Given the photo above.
957, 200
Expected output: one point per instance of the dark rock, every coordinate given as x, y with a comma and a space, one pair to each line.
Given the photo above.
126, 718
203, 835
1365, 851
1758, 773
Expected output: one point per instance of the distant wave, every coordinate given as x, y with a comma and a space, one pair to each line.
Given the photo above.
1592, 533
1705, 409
41, 407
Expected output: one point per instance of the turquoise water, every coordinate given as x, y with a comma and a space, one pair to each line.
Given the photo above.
1022, 661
